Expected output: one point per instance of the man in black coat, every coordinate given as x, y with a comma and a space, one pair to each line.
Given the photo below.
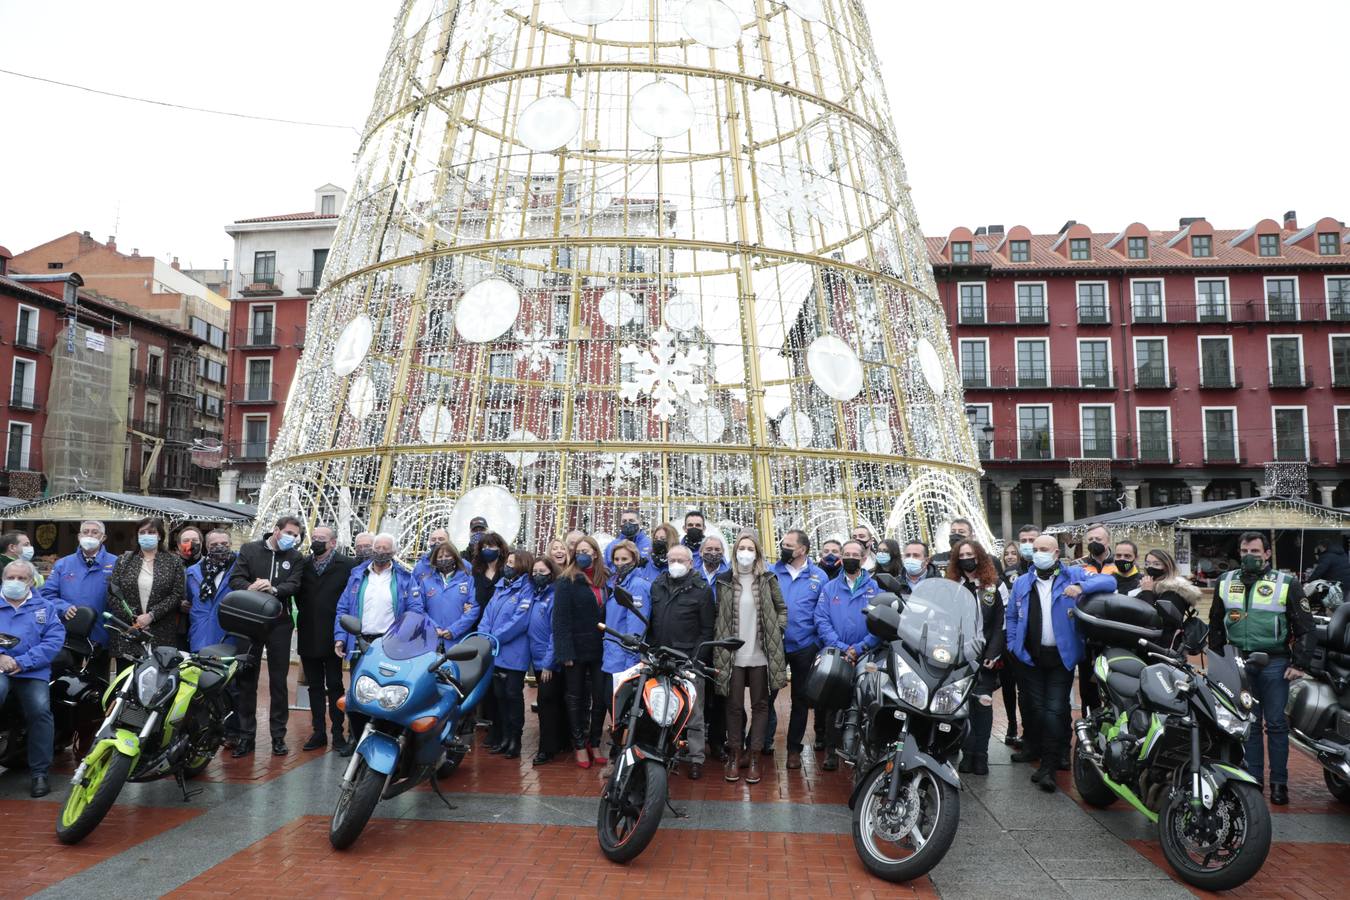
322, 580
271, 565
1332, 565
682, 617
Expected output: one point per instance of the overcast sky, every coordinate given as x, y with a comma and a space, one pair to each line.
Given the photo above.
1031, 113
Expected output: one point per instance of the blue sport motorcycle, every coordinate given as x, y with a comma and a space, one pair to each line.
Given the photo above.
414, 691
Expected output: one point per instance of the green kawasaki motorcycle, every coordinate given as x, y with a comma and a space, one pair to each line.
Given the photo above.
1168, 739
167, 717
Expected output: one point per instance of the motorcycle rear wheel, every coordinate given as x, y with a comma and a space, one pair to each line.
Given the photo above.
91, 800
355, 804
1247, 809
939, 814
1339, 787
625, 826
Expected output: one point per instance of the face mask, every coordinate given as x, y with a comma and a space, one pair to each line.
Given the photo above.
382, 558
883, 558
712, 560
318, 548
89, 544
187, 548
584, 560
852, 566
678, 570
694, 535
508, 573
14, 589
830, 559
1026, 550
955, 539
475, 537
1124, 565
489, 554
1096, 548
968, 565
147, 541
362, 553
659, 547
1251, 563
746, 558
623, 570
786, 555
26, 552
912, 566
287, 541
1043, 559
445, 565
630, 529
541, 581
219, 554
1156, 572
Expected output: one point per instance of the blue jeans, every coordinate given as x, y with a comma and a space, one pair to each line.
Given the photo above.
35, 698
1271, 691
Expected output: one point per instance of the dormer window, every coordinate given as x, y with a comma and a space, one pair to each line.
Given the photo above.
960, 251
1268, 245
328, 205
1137, 247
1019, 251
1201, 246
1329, 243
1080, 249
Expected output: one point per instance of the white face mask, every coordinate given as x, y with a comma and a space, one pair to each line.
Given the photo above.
89, 544
746, 558
678, 570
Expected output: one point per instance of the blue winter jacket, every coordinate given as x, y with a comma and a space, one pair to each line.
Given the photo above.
507, 618
203, 625
407, 597
541, 630
74, 582
445, 596
37, 625
643, 542
711, 579
616, 658
1067, 640
650, 571
801, 595
839, 614
467, 620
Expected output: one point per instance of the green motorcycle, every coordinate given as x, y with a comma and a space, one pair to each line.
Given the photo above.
167, 718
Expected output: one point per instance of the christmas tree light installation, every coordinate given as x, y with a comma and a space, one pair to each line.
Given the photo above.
613, 253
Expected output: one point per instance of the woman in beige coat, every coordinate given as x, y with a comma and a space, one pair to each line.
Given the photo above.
749, 607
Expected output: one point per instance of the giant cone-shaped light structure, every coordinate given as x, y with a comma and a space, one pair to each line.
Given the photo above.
612, 253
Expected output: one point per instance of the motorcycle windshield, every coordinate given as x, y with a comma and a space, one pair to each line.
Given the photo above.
411, 635
940, 621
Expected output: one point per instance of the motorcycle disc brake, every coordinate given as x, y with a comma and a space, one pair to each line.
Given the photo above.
896, 820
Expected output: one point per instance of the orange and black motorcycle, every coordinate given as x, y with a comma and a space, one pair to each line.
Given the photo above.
653, 702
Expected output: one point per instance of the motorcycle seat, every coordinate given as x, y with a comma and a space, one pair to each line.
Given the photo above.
1124, 662
471, 671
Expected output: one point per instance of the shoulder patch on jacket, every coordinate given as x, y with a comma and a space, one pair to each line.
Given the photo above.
286, 565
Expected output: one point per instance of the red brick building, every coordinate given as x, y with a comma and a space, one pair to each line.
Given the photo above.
1189, 358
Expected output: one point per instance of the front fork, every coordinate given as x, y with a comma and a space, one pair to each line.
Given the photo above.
1197, 783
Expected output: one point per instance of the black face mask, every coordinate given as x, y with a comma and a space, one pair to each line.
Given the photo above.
630, 529
445, 565
623, 570
362, 552
712, 560
490, 554
541, 581
693, 535
508, 573
787, 555
318, 548
955, 539
968, 565
659, 547
1123, 565
1096, 548
1156, 572
220, 554
852, 566
383, 559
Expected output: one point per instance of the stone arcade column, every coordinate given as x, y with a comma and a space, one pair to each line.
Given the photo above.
1067, 486
1197, 491
1005, 491
1131, 489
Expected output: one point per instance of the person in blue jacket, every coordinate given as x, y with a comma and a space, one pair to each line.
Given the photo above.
711, 561
615, 658
81, 579
1044, 638
842, 624
26, 668
554, 733
507, 618
801, 583
447, 587
422, 567
207, 582
630, 529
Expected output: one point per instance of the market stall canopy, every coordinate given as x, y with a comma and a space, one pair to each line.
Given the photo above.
109, 506
1244, 513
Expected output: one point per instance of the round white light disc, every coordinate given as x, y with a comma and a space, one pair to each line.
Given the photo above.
681, 313
549, 123
834, 367
810, 10
931, 366
435, 424
494, 503
796, 430
662, 110
487, 310
617, 308
523, 458
352, 345
876, 437
591, 12
361, 397
706, 424
711, 23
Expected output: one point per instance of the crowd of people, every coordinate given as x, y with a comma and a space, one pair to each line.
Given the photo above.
785, 603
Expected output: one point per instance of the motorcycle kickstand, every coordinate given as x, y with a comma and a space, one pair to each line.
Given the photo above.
182, 786
436, 786
676, 811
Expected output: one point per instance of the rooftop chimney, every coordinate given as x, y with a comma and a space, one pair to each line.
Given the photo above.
112, 242
175, 264
135, 251
4, 261
1291, 220
86, 234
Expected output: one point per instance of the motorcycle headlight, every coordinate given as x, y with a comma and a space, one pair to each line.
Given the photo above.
148, 680
367, 689
913, 689
392, 696
949, 698
1231, 722
663, 705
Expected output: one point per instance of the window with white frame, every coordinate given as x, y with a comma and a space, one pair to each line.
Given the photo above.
1340, 360
1290, 427
258, 384
502, 364
1155, 435
972, 309
256, 437
1150, 363
20, 445
1031, 303
1033, 363
1282, 299
1034, 439
1220, 427
1338, 299
974, 363
23, 394
1097, 430
261, 318
1286, 360
1216, 362
26, 334
1147, 301
1094, 363
1092, 309
1211, 300
1343, 434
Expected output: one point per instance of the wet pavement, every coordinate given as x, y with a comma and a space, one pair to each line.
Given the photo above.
259, 828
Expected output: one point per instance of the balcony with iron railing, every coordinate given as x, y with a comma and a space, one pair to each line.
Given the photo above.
253, 392
23, 399
1290, 378
247, 452
32, 340
310, 281
1043, 445
1220, 379
1340, 374
255, 337
1295, 449
260, 283
1007, 378
1222, 448
146, 426
1241, 311
1162, 378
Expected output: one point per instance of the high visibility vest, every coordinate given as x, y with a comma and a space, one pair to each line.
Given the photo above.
1255, 616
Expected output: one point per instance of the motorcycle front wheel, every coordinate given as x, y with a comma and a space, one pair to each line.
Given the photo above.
1241, 837
92, 796
904, 840
1339, 787
356, 801
627, 824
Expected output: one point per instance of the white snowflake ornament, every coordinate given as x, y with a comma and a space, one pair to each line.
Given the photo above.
620, 468
536, 350
664, 372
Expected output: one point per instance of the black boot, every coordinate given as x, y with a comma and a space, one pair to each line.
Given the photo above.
512, 749
981, 766
967, 763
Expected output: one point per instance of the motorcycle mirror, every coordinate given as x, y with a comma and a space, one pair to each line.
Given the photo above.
1258, 660
883, 618
889, 582
8, 642
350, 624
1194, 633
625, 599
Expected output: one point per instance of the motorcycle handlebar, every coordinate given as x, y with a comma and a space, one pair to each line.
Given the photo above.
1159, 650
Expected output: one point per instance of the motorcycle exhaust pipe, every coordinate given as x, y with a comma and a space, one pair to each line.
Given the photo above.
1085, 745
1330, 757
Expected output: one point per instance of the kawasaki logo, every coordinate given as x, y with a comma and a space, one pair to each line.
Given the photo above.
1162, 680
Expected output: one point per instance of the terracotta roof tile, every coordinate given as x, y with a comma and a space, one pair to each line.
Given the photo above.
287, 217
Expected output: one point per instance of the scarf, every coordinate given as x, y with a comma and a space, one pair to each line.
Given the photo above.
210, 571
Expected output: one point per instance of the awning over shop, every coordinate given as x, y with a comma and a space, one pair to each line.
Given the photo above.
109, 506
1251, 512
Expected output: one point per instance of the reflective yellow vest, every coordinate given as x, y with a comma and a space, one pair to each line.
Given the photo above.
1255, 616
